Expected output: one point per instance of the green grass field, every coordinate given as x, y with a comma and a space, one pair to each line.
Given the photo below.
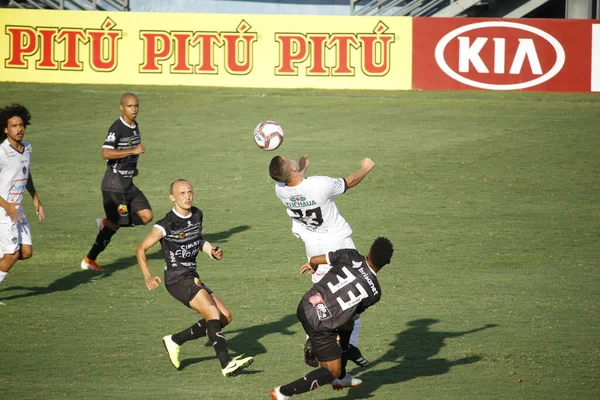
491, 199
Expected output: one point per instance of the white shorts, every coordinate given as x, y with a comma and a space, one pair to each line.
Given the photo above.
324, 247
12, 236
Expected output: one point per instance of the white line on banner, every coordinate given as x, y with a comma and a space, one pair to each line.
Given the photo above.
595, 58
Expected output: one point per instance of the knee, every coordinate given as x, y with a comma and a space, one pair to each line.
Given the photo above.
226, 318
335, 371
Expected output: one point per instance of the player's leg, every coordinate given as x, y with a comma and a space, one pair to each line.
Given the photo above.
10, 247
325, 347
224, 314
205, 304
141, 212
24, 238
115, 213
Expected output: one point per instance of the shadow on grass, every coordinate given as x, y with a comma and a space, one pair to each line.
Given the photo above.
247, 340
80, 277
412, 356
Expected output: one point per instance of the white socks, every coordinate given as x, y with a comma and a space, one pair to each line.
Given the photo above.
2, 275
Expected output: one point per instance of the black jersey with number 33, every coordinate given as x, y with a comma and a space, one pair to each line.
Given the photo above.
182, 241
349, 288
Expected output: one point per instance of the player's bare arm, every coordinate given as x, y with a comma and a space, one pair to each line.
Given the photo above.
113, 154
39, 209
216, 253
303, 164
12, 210
150, 240
311, 266
366, 165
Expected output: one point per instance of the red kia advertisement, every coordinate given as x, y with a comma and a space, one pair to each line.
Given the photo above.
504, 54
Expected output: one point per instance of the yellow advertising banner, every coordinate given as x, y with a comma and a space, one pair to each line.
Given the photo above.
268, 51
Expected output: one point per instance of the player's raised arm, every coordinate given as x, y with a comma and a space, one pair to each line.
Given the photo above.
366, 165
140, 253
303, 164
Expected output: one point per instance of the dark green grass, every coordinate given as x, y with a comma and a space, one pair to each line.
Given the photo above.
491, 200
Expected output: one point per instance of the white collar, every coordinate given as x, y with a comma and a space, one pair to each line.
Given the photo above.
182, 216
126, 124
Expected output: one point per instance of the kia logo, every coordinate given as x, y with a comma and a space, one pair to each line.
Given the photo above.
469, 54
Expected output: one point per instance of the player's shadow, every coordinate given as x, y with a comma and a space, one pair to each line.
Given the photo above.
223, 236
247, 340
81, 277
412, 356
74, 279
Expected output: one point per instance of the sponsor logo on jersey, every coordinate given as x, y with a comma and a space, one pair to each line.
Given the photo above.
356, 264
369, 281
123, 210
24, 170
315, 299
135, 133
111, 137
323, 312
14, 240
299, 201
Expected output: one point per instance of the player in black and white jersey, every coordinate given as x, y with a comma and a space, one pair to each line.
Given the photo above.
316, 219
181, 238
15, 179
327, 311
124, 204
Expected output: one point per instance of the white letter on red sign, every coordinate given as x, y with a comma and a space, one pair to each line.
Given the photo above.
470, 54
526, 49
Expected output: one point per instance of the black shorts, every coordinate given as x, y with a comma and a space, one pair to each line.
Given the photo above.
324, 343
119, 207
185, 288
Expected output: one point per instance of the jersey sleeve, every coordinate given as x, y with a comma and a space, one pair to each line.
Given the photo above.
333, 186
160, 225
342, 257
112, 138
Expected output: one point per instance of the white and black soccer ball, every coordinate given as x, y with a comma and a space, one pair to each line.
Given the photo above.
268, 135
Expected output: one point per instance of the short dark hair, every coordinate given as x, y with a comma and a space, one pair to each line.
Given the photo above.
126, 95
14, 110
381, 252
278, 169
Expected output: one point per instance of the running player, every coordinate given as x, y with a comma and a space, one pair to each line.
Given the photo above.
124, 204
180, 234
15, 178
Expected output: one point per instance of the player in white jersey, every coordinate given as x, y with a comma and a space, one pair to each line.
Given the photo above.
15, 178
316, 219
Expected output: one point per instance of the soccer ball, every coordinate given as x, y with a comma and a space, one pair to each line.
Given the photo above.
268, 135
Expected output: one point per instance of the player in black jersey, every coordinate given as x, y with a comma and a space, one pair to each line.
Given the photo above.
181, 238
124, 203
327, 310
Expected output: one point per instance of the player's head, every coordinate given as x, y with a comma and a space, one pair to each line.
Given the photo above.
130, 106
14, 119
181, 194
281, 169
381, 252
